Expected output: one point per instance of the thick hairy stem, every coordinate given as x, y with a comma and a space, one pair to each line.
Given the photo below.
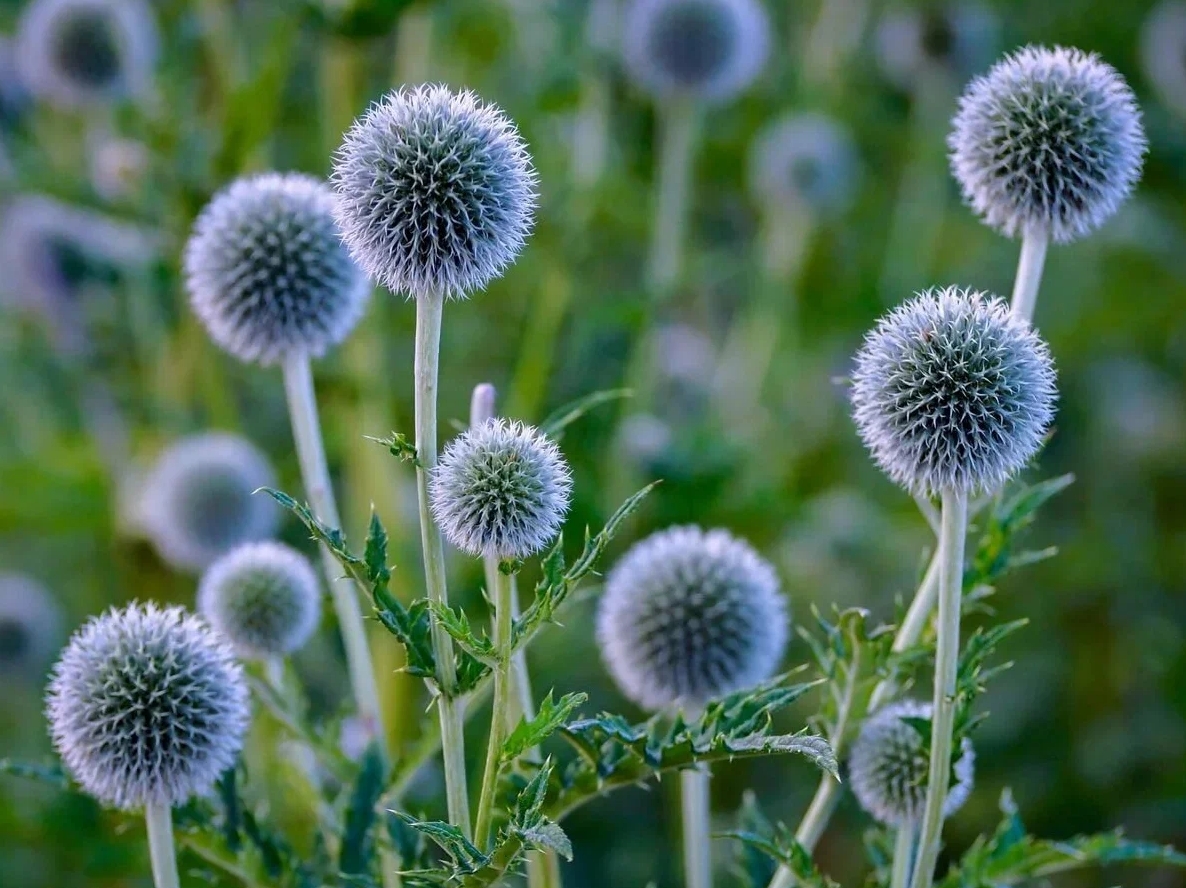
159, 818
903, 855
1029, 271
498, 715
696, 807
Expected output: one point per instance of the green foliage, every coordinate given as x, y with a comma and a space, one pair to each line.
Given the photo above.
763, 842
398, 446
528, 735
559, 420
357, 841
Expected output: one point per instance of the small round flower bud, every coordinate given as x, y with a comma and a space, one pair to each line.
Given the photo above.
804, 160
1048, 139
436, 192
199, 499
81, 52
952, 391
264, 598
955, 40
30, 621
706, 49
147, 706
501, 489
689, 615
267, 272
889, 766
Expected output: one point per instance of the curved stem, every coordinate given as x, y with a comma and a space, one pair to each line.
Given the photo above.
695, 802
1029, 271
429, 309
951, 567
903, 855
159, 818
306, 432
498, 715
677, 137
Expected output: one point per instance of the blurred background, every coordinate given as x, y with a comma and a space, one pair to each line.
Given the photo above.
736, 363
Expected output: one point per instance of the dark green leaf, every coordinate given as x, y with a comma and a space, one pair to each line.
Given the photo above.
530, 734
360, 813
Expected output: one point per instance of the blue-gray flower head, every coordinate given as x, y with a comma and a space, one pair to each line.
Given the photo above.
688, 615
267, 271
501, 489
1049, 139
82, 52
954, 40
807, 161
1163, 53
199, 501
952, 391
706, 49
889, 765
264, 598
30, 622
147, 705
436, 192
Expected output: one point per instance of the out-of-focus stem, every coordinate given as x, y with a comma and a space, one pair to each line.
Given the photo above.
678, 122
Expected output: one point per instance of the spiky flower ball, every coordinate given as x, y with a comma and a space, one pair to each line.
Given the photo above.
1048, 139
30, 621
267, 272
889, 765
804, 160
199, 499
81, 52
688, 615
264, 598
951, 391
436, 192
147, 705
706, 49
501, 489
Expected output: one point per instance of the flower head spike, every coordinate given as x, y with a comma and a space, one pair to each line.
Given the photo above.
436, 192
267, 272
81, 52
264, 598
955, 39
707, 49
953, 391
688, 615
199, 499
1048, 139
804, 160
889, 765
30, 621
501, 489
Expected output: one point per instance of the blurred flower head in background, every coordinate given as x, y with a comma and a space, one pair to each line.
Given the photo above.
807, 161
1163, 53
954, 40
30, 624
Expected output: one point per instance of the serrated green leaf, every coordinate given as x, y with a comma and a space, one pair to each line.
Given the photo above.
548, 836
528, 735
399, 446
360, 814
456, 623
51, 774
461, 851
780, 845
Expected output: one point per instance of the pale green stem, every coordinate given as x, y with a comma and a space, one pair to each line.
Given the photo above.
306, 432
159, 818
429, 309
696, 805
1029, 271
501, 594
590, 139
677, 136
951, 568
903, 855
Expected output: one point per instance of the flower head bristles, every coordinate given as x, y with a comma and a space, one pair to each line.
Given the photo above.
199, 499
709, 50
30, 623
688, 615
806, 160
956, 39
1048, 140
888, 766
436, 192
1163, 53
502, 490
953, 392
264, 598
267, 272
75, 53
147, 706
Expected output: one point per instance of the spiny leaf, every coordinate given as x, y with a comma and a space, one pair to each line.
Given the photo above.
399, 446
456, 623
548, 836
449, 839
530, 734
559, 420
780, 844
360, 813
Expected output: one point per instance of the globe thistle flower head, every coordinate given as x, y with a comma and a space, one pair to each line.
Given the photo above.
705, 49
951, 391
267, 272
1163, 53
75, 53
199, 501
263, 598
688, 615
30, 621
889, 766
954, 39
501, 489
805, 160
147, 705
436, 192
1048, 139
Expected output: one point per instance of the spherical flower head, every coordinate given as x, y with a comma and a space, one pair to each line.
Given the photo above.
501, 489
1048, 140
889, 766
30, 621
806, 161
199, 499
75, 53
267, 272
956, 39
706, 49
263, 598
952, 391
688, 615
147, 705
436, 192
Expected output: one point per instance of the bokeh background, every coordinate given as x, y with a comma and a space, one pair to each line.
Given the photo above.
102, 365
